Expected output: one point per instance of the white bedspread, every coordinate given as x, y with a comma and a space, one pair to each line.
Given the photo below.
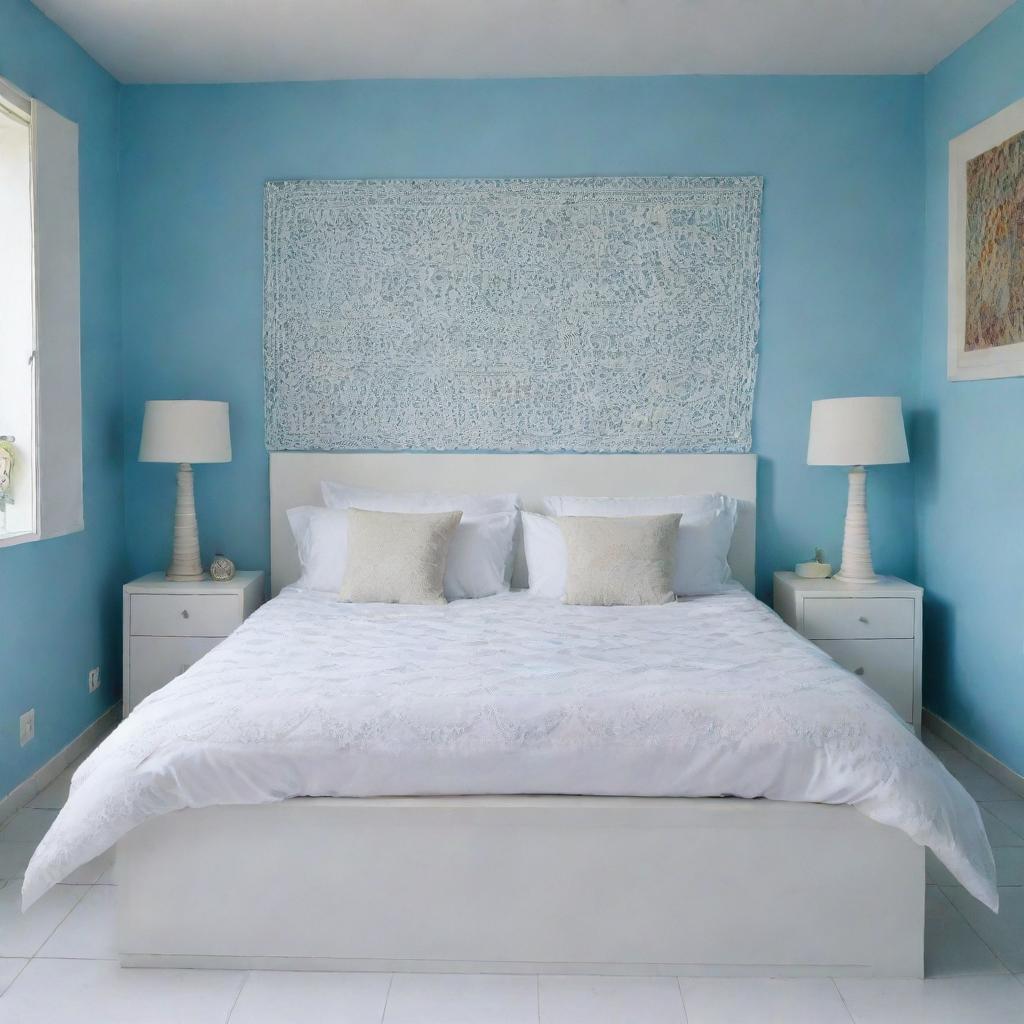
511, 694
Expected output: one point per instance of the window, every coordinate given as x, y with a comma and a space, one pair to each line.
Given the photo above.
17, 323
40, 361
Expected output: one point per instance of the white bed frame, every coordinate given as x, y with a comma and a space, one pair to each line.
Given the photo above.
523, 884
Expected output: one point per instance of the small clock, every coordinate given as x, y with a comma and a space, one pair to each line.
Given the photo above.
222, 568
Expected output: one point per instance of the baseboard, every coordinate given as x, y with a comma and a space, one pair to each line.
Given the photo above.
83, 743
981, 757
340, 965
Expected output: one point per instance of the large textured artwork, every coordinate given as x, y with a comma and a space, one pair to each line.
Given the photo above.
987, 248
995, 246
563, 314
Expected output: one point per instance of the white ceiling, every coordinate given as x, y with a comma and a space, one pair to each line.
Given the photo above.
277, 40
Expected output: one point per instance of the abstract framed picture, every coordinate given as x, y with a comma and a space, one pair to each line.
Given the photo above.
986, 248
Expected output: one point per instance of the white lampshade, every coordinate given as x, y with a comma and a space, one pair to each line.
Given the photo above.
185, 432
857, 432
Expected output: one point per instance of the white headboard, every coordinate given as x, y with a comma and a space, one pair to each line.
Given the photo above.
295, 480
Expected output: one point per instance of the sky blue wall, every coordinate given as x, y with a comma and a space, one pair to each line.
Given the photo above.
848, 253
970, 450
60, 604
841, 254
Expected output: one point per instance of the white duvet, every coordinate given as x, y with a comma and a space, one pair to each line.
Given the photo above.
511, 694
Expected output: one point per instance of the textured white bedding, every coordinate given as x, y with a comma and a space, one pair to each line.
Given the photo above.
512, 694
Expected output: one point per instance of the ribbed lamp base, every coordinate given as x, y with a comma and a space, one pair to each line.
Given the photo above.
857, 567
185, 566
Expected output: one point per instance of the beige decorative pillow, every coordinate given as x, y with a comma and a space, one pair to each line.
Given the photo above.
619, 559
397, 557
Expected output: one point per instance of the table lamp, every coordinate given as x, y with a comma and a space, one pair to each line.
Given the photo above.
185, 432
857, 432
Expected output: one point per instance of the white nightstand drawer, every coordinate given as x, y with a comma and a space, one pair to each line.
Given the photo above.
887, 666
871, 627
169, 624
849, 618
184, 614
156, 660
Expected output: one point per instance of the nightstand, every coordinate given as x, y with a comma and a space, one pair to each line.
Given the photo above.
872, 629
168, 625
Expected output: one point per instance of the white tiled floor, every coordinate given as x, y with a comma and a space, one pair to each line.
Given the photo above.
28, 825
568, 1000
298, 997
786, 1000
57, 963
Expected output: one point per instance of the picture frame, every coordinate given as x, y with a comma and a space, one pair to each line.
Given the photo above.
986, 249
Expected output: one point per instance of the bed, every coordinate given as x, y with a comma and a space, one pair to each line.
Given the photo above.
517, 785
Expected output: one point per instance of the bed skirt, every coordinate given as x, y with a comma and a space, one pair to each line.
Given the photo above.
524, 885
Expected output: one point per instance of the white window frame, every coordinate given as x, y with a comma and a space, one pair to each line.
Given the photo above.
57, 450
18, 102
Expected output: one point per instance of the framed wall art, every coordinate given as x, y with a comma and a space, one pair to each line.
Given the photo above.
530, 315
986, 248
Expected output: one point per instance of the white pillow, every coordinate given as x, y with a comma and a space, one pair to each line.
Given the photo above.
337, 495
706, 526
478, 561
321, 536
547, 556
480, 556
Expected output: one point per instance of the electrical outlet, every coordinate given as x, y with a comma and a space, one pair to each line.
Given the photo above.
94, 679
27, 724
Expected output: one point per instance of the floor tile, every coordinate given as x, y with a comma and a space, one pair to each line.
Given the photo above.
55, 795
934, 744
89, 931
93, 870
10, 967
28, 825
14, 858
952, 758
462, 999
999, 833
979, 783
1009, 864
1009, 867
936, 872
301, 997
951, 946
1009, 813
579, 999
937, 1001
102, 992
23, 934
762, 1001
1002, 932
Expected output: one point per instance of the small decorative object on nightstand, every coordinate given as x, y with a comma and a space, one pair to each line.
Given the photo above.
874, 631
819, 569
222, 568
168, 625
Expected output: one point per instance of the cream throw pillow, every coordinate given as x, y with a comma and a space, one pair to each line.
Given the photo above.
397, 557
619, 559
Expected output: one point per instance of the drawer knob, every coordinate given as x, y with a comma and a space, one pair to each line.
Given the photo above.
858, 671
184, 613
863, 618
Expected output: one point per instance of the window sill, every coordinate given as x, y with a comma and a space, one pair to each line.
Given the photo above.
8, 540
